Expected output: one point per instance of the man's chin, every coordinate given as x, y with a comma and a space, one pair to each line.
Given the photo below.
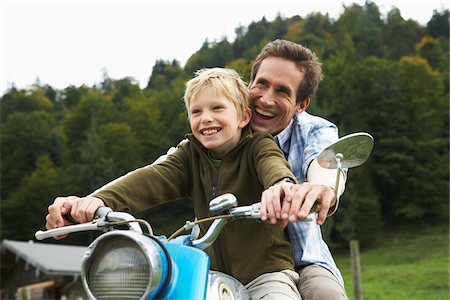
258, 127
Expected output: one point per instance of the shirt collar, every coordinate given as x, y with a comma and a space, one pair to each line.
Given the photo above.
285, 135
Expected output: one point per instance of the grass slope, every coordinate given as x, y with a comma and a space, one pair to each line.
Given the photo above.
406, 265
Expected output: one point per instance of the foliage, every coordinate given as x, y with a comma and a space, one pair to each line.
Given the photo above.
386, 76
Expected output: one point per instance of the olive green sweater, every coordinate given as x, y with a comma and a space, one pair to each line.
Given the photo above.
245, 249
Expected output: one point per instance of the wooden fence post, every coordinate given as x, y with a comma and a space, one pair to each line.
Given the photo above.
356, 270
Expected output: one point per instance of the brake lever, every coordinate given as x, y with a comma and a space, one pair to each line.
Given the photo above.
97, 225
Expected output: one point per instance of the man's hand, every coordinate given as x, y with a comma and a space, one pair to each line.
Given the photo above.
298, 199
82, 209
304, 196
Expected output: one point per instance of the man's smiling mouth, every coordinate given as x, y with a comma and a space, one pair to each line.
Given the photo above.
264, 113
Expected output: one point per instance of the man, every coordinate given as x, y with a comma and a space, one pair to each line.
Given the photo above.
284, 77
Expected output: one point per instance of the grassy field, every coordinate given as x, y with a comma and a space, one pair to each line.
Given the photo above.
406, 265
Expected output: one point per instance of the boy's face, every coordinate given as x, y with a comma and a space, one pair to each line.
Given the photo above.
215, 122
274, 93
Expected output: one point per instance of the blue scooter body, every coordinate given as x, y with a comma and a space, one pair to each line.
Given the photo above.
190, 269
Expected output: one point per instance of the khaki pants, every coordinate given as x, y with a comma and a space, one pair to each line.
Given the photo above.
318, 283
276, 286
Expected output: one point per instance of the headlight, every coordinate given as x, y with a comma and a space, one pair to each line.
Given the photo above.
123, 265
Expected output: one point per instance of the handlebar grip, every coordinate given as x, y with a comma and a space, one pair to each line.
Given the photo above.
102, 211
69, 218
99, 213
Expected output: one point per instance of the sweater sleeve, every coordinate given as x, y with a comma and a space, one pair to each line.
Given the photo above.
148, 186
270, 162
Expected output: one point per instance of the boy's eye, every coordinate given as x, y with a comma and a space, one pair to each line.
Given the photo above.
217, 107
195, 111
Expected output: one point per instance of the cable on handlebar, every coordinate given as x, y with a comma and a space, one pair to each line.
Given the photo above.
186, 227
141, 221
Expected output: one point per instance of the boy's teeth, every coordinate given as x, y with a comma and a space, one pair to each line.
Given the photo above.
209, 131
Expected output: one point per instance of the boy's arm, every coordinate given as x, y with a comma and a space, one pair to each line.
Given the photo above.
148, 186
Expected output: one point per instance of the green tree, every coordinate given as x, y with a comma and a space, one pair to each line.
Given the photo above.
121, 146
24, 137
365, 27
400, 36
438, 26
92, 105
24, 101
428, 111
215, 54
24, 210
164, 74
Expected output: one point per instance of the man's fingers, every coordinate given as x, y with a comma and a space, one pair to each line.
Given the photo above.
283, 223
327, 197
310, 198
299, 194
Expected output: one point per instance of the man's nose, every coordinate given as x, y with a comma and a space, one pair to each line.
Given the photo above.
267, 98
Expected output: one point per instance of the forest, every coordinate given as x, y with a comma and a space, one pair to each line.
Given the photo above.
383, 75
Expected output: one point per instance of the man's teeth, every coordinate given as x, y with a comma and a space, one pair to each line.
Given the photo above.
209, 131
265, 113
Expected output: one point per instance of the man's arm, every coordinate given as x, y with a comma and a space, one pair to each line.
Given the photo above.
318, 189
327, 177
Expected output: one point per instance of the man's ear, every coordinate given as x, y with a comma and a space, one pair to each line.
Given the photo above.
246, 117
302, 106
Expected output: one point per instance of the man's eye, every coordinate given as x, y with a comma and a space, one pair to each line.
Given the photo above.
261, 84
284, 92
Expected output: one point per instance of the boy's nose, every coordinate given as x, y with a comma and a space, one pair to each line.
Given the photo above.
206, 117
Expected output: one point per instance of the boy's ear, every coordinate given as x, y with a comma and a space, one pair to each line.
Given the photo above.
247, 115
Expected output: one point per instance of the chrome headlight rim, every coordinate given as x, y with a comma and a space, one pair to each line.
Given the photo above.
145, 243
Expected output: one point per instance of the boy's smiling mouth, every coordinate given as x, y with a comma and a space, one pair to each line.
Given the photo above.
210, 131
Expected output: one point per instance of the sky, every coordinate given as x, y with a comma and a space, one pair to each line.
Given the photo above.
69, 42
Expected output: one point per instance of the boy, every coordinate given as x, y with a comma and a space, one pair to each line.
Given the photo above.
222, 155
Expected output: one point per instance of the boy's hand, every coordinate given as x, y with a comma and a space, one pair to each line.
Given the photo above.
81, 210
271, 210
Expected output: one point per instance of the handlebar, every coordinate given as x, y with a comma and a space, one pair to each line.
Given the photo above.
242, 212
104, 219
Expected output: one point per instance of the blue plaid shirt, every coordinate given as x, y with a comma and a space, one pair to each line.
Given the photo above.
301, 141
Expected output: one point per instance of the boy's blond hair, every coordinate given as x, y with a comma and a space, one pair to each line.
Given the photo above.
224, 82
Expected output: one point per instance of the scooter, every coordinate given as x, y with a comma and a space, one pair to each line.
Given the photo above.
127, 263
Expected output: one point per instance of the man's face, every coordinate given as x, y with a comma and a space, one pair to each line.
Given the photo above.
274, 94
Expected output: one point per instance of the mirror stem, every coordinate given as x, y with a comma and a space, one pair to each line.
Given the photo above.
339, 157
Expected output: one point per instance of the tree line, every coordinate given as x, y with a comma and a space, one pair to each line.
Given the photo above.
384, 75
